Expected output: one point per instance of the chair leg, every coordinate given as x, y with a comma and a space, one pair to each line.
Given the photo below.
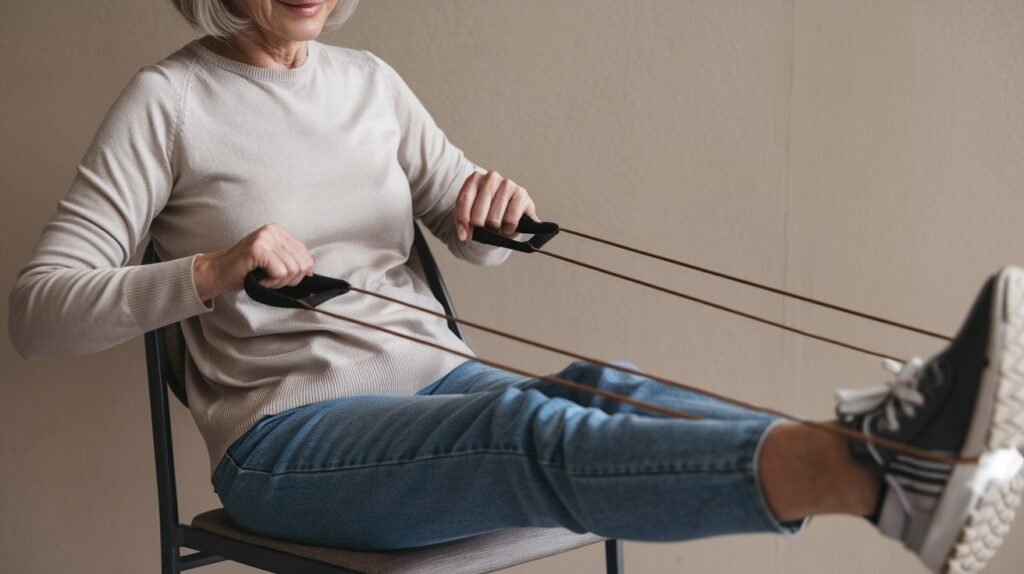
170, 562
613, 557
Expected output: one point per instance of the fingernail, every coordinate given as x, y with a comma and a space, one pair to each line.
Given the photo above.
462, 233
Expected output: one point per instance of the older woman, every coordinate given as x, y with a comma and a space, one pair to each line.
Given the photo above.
258, 147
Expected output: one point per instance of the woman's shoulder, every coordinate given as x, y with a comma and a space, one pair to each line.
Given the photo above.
163, 80
153, 96
342, 56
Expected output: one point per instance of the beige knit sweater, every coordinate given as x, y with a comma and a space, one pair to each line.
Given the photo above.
200, 150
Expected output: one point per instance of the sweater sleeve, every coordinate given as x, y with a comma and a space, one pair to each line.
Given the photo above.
76, 295
436, 170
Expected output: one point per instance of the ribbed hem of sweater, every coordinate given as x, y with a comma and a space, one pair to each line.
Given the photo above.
402, 369
163, 293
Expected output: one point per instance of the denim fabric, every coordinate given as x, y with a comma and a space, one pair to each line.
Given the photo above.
483, 449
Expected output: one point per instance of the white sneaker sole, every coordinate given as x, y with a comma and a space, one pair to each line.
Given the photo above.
968, 527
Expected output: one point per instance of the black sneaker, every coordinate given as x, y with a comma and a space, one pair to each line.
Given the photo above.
966, 402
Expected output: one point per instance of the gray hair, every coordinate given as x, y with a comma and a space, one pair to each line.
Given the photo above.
219, 18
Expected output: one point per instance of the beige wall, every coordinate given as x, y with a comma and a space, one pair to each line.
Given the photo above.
868, 152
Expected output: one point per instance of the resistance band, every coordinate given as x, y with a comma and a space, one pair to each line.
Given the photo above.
545, 231
760, 286
317, 289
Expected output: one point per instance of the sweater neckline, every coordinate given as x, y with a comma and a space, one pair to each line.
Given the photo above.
257, 72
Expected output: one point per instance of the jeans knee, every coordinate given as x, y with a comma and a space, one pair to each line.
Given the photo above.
597, 376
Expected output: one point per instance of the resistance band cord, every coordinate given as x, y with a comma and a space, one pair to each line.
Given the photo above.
760, 286
545, 231
663, 380
317, 289
648, 406
721, 307
282, 297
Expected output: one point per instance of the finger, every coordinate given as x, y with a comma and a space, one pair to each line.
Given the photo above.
506, 191
516, 208
282, 248
302, 255
295, 254
531, 210
484, 196
277, 270
310, 263
464, 205
295, 265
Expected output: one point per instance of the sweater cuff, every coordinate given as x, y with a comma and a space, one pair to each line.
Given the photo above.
163, 293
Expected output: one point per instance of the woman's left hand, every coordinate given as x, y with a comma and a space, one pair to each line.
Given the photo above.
490, 200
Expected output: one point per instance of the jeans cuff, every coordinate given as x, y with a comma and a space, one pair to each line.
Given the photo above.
789, 528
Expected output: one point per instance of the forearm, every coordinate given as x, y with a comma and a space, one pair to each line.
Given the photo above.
59, 311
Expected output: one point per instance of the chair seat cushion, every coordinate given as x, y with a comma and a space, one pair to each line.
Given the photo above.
481, 553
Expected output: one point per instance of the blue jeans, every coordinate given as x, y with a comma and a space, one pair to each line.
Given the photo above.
482, 449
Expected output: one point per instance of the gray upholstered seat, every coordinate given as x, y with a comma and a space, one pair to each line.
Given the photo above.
483, 553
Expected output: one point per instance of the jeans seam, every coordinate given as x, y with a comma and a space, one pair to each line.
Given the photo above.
577, 472
672, 468
385, 463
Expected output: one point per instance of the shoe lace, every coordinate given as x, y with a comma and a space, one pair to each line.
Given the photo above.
899, 394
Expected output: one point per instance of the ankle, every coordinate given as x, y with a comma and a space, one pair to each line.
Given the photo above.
858, 484
807, 471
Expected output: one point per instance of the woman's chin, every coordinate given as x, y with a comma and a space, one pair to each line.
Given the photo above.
301, 31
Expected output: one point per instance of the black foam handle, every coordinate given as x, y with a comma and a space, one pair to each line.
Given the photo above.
542, 231
312, 290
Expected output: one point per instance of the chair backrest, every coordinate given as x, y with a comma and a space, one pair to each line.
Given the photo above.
165, 362
422, 261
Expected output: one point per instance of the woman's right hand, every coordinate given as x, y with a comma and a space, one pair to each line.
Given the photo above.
271, 247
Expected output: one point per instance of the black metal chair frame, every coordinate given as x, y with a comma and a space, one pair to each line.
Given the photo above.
212, 548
